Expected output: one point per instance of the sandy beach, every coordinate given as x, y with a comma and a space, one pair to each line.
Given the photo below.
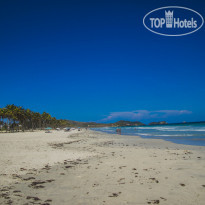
89, 167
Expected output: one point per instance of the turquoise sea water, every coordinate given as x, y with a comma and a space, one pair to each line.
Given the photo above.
189, 134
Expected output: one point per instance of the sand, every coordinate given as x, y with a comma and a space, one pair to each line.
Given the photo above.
88, 167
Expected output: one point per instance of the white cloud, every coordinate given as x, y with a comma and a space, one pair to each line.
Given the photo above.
145, 114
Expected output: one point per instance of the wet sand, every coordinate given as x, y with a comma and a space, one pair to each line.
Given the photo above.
88, 167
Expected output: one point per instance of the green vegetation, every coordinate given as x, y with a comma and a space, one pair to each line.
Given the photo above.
15, 118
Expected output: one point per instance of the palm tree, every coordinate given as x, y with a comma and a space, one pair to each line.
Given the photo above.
37, 120
17, 115
46, 118
1, 118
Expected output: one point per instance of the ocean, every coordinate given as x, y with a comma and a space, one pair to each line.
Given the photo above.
188, 134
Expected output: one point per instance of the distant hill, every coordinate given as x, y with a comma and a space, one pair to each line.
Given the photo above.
71, 123
123, 123
120, 123
158, 123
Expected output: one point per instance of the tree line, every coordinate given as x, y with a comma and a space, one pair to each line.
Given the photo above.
16, 118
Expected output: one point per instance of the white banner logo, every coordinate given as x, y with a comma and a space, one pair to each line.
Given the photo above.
173, 21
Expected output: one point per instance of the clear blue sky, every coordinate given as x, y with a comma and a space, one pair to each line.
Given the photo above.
95, 61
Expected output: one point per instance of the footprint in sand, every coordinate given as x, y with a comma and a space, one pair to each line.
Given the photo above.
115, 194
33, 198
154, 202
182, 184
163, 198
154, 179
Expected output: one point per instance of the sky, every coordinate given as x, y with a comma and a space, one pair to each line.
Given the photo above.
95, 61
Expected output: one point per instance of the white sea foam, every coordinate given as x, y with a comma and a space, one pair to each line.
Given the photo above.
178, 129
143, 134
179, 135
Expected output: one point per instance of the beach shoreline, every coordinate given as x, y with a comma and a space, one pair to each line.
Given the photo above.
90, 167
